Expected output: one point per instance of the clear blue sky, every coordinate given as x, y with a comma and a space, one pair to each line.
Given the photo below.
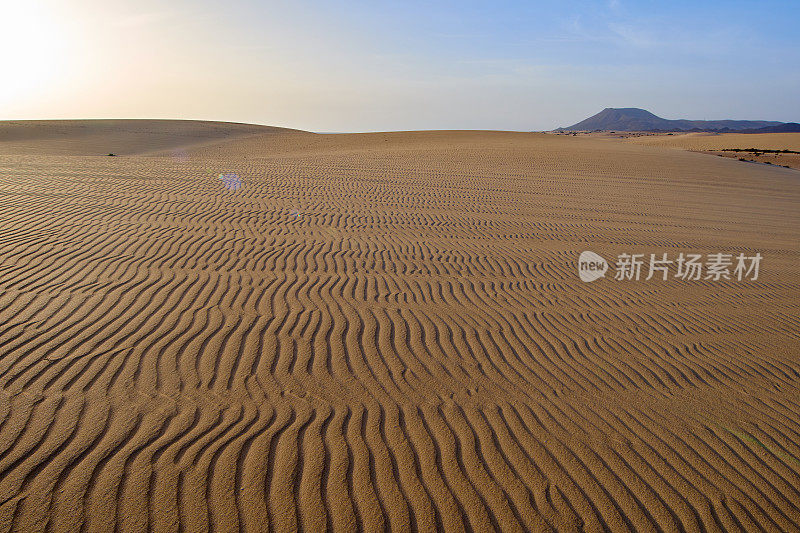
357, 65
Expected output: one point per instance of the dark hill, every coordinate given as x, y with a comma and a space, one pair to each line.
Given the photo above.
635, 119
788, 127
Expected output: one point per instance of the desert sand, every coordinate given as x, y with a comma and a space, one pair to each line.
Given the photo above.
733, 145
227, 327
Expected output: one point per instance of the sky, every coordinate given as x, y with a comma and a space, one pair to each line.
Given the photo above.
354, 65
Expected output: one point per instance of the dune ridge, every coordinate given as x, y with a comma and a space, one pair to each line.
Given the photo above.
388, 331
119, 136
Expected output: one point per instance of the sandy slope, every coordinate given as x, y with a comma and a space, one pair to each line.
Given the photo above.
718, 141
389, 330
723, 144
120, 137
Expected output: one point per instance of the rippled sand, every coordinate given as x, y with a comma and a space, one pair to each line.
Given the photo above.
243, 328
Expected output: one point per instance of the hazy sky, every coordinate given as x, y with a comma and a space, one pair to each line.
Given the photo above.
358, 65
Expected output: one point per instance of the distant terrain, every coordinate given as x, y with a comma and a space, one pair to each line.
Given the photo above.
635, 119
782, 149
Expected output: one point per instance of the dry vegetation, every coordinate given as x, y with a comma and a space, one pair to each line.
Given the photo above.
388, 330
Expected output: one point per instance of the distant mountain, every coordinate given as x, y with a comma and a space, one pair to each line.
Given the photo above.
635, 119
787, 127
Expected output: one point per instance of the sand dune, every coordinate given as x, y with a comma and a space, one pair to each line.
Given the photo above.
726, 144
718, 141
388, 330
120, 137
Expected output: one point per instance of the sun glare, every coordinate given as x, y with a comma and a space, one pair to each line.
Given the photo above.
34, 52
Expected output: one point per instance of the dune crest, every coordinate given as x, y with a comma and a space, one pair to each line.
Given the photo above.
119, 136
